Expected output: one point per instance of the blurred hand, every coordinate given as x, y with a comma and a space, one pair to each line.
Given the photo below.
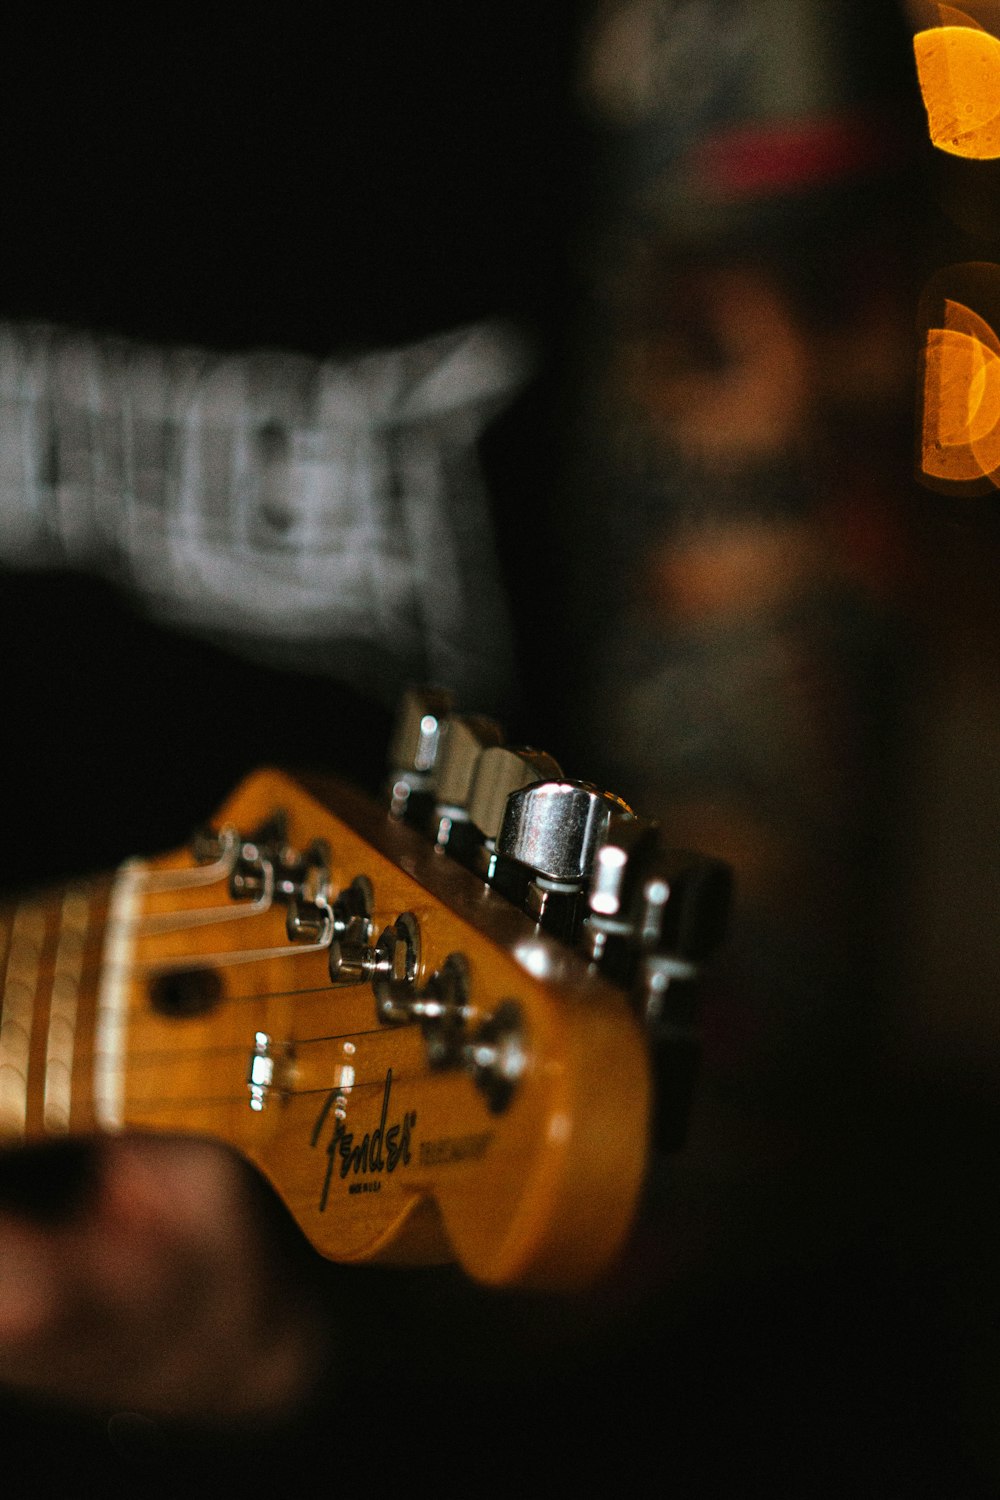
160, 1293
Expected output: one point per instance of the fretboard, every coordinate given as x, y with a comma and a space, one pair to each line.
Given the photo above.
51, 959
82, 1047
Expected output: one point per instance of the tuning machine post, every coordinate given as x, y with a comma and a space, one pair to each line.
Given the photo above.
294, 874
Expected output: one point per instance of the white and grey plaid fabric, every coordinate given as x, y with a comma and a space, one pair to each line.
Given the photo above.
329, 514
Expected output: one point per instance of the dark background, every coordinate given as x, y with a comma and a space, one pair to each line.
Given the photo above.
354, 182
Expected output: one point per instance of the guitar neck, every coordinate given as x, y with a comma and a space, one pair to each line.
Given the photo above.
52, 948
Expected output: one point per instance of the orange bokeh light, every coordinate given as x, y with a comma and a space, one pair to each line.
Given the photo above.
958, 66
960, 436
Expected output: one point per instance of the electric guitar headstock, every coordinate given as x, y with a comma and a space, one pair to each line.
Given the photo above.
434, 1025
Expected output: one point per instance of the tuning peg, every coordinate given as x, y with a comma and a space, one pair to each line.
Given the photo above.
308, 921
467, 737
416, 742
681, 905
499, 772
251, 872
209, 845
552, 832
646, 899
298, 876
608, 936
654, 916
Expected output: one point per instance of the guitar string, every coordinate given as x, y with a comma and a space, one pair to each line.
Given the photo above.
92, 965
164, 1102
167, 1054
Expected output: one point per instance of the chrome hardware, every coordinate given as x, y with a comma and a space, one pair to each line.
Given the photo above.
350, 963
497, 1056
678, 911
550, 834
351, 958
352, 910
391, 965
443, 1011
416, 742
608, 932
397, 963
499, 772
302, 875
251, 873
292, 874
215, 854
575, 859
226, 855
556, 827
468, 736
261, 1074
309, 922
646, 900
627, 842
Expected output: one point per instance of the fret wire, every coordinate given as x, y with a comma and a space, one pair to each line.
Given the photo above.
28, 940
67, 968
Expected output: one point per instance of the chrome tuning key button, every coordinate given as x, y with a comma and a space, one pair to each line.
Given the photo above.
556, 827
421, 725
551, 834
468, 736
501, 771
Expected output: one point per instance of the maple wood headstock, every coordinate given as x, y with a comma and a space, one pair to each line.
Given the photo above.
435, 1042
